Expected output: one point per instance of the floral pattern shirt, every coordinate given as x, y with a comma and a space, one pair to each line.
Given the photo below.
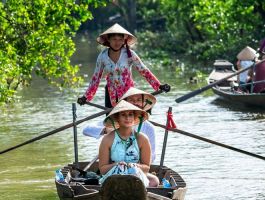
118, 75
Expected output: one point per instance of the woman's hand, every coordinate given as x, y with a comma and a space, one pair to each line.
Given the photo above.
166, 87
81, 100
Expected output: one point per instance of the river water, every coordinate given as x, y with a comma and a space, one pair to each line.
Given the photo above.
211, 172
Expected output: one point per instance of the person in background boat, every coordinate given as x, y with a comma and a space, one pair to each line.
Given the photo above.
116, 61
124, 150
142, 100
261, 50
246, 58
259, 70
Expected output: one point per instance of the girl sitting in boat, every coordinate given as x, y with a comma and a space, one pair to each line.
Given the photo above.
142, 100
125, 151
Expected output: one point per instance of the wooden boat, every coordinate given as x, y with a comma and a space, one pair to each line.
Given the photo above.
229, 89
122, 186
222, 68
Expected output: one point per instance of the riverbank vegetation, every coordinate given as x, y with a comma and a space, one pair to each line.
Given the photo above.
37, 38
205, 29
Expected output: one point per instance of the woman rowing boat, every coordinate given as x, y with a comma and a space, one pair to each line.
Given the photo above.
117, 61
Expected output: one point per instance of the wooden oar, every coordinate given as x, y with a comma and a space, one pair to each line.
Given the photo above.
208, 140
84, 171
199, 138
91, 163
57, 130
198, 91
104, 108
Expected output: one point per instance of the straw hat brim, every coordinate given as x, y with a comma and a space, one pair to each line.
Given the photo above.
147, 97
247, 54
111, 119
116, 28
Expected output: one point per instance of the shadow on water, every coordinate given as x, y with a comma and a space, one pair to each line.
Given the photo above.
234, 106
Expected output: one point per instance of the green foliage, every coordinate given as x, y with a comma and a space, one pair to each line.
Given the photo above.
160, 42
36, 37
206, 29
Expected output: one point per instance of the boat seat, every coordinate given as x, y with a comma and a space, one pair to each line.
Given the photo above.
153, 196
123, 187
66, 192
84, 193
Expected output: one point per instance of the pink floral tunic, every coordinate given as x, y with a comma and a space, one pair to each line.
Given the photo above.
118, 75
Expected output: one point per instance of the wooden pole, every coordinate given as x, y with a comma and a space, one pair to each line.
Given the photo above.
75, 133
165, 142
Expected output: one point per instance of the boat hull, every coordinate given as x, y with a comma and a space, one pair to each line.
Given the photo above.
70, 189
226, 89
253, 99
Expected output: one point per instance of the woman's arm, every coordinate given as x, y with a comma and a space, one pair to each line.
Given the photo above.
145, 153
95, 80
104, 153
250, 75
144, 71
238, 68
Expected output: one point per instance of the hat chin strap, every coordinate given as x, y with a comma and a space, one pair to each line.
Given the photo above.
141, 118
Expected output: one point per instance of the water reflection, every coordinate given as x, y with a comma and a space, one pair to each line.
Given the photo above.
238, 107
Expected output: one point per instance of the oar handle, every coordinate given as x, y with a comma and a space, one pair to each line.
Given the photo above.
96, 105
91, 163
83, 171
157, 92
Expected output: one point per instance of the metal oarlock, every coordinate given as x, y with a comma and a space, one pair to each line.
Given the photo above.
75, 132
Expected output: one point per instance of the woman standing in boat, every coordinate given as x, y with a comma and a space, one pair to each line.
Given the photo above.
117, 61
125, 151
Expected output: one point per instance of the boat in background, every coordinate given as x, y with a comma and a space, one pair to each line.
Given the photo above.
229, 89
121, 186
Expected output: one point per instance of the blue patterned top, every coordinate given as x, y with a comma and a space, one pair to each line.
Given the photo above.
125, 150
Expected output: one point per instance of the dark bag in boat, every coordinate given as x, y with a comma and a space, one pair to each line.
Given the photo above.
90, 178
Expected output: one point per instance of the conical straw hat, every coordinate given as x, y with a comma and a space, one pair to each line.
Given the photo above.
124, 106
116, 28
149, 99
247, 54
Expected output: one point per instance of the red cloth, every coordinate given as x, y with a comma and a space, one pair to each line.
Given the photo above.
259, 75
171, 123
